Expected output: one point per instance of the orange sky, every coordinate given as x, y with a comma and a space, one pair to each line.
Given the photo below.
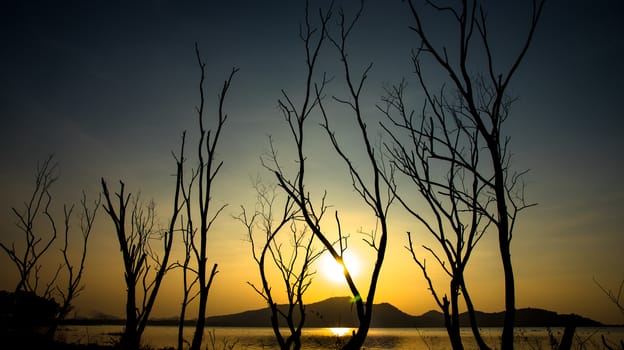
109, 88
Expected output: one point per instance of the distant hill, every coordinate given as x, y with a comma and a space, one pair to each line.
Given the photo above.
340, 312
531, 317
332, 312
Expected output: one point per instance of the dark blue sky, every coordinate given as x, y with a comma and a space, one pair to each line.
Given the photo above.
108, 86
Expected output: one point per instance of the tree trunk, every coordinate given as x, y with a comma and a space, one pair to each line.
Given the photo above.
504, 242
276, 329
181, 323
130, 339
203, 300
201, 313
510, 309
568, 336
357, 340
473, 319
454, 331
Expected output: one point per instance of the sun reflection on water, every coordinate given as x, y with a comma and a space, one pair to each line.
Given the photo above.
339, 331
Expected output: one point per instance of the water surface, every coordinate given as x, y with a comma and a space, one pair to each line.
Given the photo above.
245, 338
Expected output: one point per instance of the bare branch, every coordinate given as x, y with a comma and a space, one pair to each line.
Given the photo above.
615, 297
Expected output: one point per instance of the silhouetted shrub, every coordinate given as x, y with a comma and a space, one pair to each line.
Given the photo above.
25, 317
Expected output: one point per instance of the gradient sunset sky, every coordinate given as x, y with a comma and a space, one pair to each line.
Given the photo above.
109, 86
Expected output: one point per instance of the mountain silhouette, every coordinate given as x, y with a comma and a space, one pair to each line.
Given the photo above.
341, 312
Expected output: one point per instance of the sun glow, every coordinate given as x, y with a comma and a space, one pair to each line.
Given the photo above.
334, 271
339, 331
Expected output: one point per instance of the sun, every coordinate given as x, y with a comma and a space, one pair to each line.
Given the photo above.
333, 271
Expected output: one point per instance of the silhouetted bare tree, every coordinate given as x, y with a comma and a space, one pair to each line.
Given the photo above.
140, 258
291, 256
481, 102
204, 175
436, 152
369, 185
189, 275
40, 232
73, 286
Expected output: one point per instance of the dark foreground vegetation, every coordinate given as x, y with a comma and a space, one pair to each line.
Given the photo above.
30, 342
25, 320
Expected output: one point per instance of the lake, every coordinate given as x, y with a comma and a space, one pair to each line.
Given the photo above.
326, 338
